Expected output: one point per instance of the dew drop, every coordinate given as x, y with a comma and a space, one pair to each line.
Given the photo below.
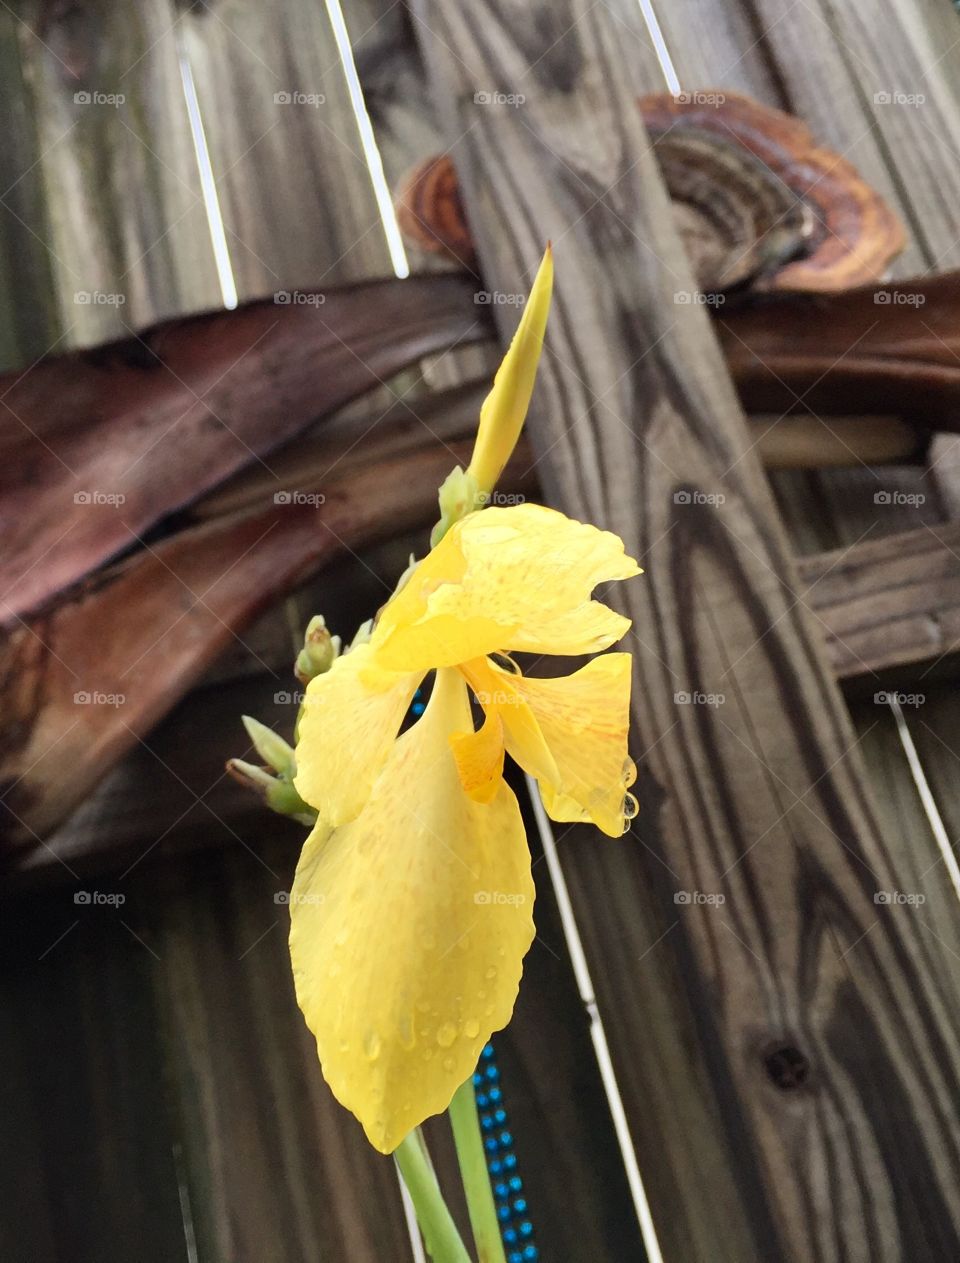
629, 773
471, 1028
630, 807
446, 1034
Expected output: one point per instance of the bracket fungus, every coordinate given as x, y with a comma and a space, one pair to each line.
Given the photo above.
759, 204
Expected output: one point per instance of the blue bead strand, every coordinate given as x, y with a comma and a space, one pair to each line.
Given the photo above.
516, 1227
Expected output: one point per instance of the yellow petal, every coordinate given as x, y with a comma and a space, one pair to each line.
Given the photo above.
351, 715
582, 720
409, 927
504, 409
505, 578
479, 758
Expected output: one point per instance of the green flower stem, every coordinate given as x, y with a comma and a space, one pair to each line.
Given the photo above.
439, 1231
473, 1171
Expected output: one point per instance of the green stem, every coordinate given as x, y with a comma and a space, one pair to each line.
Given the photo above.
473, 1171
439, 1231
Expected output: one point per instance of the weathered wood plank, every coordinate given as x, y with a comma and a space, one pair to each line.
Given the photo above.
763, 801
100, 191
293, 184
887, 603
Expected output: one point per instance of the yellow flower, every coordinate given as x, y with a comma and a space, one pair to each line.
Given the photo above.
411, 910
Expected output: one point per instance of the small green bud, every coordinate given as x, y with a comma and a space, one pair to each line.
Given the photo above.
271, 747
319, 651
459, 495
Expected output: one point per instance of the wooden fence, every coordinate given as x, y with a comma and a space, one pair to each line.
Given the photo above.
787, 1063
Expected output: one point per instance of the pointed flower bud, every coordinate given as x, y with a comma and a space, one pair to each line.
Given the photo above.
319, 651
271, 747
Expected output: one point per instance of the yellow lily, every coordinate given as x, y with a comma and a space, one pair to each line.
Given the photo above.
411, 910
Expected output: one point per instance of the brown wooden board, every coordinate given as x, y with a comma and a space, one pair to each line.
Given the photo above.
762, 1062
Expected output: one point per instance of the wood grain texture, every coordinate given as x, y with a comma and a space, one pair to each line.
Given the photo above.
292, 181
101, 195
890, 603
784, 1091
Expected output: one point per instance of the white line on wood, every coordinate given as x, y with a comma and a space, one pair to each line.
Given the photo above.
381, 190
208, 185
608, 1076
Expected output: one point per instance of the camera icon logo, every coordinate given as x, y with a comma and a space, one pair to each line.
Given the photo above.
681, 699
682, 497
282, 298
82, 98
482, 896
283, 497
682, 897
282, 98
282, 897
82, 897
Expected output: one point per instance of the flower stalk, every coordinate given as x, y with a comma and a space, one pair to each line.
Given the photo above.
473, 1172
443, 1241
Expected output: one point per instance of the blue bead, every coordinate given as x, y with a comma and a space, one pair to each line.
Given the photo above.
488, 1052
502, 1191
510, 1162
516, 1184
495, 1167
494, 1096
530, 1253
526, 1229
491, 1144
482, 1100
510, 1236
520, 1205
500, 1117
486, 1122
504, 1213
492, 1073
506, 1139
515, 1256
477, 1080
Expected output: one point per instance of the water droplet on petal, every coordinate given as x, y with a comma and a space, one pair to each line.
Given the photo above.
629, 773
471, 1028
630, 807
446, 1034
